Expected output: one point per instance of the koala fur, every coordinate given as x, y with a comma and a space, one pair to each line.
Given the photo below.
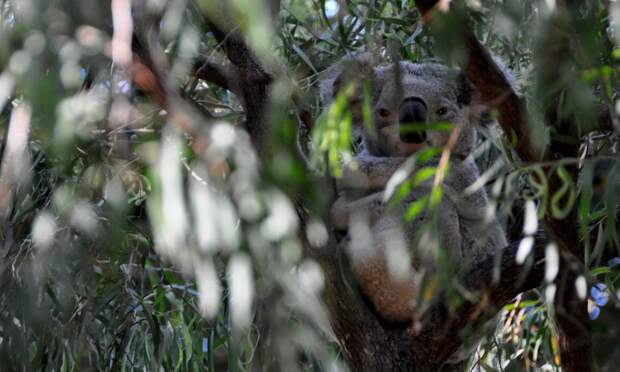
379, 240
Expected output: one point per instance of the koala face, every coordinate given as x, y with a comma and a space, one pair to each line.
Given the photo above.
410, 93
428, 93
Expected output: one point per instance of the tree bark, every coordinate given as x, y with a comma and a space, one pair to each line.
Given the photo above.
370, 344
573, 324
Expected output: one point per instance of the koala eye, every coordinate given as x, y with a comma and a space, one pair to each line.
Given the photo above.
383, 112
442, 111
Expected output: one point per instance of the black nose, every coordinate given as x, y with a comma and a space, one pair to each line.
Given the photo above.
412, 111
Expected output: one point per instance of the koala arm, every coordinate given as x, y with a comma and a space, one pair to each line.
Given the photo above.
369, 172
344, 207
450, 225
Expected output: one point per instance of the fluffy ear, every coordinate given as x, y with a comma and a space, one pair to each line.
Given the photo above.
467, 96
465, 90
357, 68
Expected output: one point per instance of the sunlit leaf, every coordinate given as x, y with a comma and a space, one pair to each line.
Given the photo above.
416, 208
552, 262
525, 247
530, 222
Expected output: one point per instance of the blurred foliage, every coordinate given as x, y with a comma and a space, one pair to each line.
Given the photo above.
135, 243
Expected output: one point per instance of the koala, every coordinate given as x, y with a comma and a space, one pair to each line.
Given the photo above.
378, 238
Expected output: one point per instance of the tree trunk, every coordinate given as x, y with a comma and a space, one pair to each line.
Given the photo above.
573, 324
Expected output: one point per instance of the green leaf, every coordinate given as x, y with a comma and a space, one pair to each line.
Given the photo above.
416, 208
567, 189
188, 340
424, 127
611, 202
423, 174
436, 195
522, 304
333, 133
367, 114
428, 154
401, 193
587, 176
538, 181
600, 271
398, 21
599, 246
304, 57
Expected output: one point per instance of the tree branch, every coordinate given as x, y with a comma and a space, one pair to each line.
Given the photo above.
146, 75
252, 80
438, 334
494, 88
148, 72
370, 344
220, 75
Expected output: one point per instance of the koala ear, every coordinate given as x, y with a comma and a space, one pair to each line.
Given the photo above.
351, 68
465, 90
467, 95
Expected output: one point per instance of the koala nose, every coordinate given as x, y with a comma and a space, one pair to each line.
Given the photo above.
412, 110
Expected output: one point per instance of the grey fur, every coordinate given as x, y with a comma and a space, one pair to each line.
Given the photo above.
468, 228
